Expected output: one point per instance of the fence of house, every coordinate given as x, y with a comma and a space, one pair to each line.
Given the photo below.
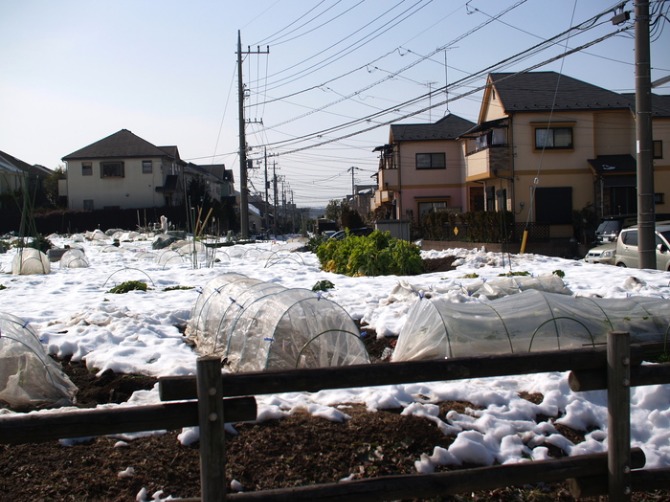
209, 399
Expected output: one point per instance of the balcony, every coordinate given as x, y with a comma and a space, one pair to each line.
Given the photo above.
383, 196
487, 163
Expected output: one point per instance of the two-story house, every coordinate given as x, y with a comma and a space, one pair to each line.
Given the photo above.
421, 169
124, 171
547, 144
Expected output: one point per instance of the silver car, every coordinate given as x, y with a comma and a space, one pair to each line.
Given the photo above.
601, 254
627, 255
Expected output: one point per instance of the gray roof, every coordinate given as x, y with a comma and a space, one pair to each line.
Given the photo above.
122, 144
548, 90
660, 104
11, 163
449, 127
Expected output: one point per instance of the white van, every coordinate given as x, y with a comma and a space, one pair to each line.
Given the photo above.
626, 254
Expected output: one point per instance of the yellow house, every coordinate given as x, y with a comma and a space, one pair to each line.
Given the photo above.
547, 144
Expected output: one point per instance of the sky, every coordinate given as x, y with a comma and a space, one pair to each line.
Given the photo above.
323, 80
137, 332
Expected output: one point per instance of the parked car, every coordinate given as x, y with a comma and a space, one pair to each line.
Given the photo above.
352, 231
602, 254
610, 226
627, 255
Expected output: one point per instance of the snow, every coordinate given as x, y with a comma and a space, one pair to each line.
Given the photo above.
137, 332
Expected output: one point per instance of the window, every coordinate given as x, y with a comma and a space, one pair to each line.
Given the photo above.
111, 169
432, 206
431, 161
553, 205
147, 167
88, 204
553, 137
658, 149
630, 238
86, 169
494, 137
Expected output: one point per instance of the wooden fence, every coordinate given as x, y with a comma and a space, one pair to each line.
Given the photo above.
209, 399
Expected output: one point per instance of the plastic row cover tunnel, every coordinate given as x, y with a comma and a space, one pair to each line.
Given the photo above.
29, 378
529, 321
255, 325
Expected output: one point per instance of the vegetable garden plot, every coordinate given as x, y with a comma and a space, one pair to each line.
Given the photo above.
528, 321
29, 378
254, 325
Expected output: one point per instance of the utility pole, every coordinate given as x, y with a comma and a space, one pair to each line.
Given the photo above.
244, 198
646, 220
353, 170
274, 182
267, 206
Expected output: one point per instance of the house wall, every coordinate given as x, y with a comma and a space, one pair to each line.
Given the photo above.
552, 167
614, 133
417, 185
494, 108
134, 190
661, 131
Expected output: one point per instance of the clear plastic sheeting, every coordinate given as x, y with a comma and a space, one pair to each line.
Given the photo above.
529, 321
504, 286
29, 378
255, 325
73, 258
30, 261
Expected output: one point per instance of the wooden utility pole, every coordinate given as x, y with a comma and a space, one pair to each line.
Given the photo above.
244, 196
646, 219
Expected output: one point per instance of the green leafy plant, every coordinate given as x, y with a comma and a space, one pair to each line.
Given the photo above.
41, 242
315, 241
559, 273
515, 274
375, 254
2, 286
124, 287
323, 285
177, 288
471, 275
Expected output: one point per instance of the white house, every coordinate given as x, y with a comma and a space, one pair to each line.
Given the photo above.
124, 171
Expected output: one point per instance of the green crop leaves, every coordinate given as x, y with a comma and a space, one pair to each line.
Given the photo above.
375, 254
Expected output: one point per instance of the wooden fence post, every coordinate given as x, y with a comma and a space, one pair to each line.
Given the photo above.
212, 433
618, 416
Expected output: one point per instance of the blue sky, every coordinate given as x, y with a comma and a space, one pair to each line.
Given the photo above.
337, 73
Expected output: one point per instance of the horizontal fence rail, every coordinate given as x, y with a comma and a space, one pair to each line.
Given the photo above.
36, 428
365, 375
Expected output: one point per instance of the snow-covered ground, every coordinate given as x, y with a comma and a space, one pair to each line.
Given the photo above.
137, 332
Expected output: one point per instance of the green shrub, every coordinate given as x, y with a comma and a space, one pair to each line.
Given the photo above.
315, 241
124, 287
375, 254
